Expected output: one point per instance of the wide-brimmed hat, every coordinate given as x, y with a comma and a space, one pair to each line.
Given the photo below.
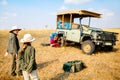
15, 28
27, 38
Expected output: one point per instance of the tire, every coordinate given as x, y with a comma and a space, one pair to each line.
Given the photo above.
63, 41
88, 47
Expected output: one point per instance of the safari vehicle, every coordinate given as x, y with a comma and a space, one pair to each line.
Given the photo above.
88, 37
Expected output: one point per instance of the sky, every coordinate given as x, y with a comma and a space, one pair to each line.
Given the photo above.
38, 14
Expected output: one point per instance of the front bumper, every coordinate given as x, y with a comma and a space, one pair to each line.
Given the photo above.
105, 43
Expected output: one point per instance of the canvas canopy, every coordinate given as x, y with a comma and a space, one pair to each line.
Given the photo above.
80, 13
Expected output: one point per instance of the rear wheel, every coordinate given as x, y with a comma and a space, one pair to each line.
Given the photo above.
88, 47
63, 41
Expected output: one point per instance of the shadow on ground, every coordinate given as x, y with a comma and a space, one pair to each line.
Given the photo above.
61, 76
42, 65
98, 48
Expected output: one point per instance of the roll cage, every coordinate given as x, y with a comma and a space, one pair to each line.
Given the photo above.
66, 18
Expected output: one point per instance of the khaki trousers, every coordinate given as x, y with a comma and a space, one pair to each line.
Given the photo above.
33, 75
13, 63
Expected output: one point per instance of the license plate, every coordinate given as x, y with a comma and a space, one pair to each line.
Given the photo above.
107, 43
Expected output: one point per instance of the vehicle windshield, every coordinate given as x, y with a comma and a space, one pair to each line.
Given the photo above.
80, 21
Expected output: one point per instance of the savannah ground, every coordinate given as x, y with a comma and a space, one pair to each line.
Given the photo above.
100, 66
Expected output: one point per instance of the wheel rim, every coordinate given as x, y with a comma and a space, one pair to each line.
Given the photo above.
87, 48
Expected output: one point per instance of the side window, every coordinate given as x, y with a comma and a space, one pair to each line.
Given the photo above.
59, 24
66, 25
76, 23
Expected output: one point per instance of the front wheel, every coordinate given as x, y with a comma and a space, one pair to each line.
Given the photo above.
88, 47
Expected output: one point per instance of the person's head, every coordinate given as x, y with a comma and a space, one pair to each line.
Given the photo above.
27, 38
15, 30
56, 37
27, 43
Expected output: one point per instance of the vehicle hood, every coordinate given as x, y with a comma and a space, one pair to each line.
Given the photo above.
95, 29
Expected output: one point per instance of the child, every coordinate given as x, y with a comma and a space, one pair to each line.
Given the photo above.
27, 58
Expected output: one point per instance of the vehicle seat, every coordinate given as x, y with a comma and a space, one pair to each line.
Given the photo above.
75, 26
85, 27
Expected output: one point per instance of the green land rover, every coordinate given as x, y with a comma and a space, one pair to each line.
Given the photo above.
88, 37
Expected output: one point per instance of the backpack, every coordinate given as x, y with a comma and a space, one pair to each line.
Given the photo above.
73, 66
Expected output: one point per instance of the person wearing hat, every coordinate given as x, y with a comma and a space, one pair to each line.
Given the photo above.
27, 57
13, 47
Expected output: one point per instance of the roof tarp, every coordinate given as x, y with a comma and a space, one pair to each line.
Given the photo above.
81, 13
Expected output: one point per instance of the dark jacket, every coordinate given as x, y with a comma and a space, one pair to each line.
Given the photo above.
13, 44
27, 58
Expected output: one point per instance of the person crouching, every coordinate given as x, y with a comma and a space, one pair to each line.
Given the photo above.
54, 42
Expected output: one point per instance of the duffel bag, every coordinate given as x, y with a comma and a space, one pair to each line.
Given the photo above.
73, 66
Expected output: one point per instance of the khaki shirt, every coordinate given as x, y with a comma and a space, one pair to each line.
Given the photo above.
27, 58
13, 44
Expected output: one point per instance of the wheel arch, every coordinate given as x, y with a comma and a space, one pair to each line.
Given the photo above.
86, 37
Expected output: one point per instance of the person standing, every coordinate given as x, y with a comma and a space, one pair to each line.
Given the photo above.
27, 57
13, 47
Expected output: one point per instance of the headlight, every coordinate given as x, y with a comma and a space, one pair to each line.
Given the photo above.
99, 37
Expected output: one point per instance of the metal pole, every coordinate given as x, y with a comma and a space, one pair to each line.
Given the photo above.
71, 21
89, 21
80, 21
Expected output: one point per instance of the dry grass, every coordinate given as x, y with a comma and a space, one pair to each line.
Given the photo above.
101, 66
